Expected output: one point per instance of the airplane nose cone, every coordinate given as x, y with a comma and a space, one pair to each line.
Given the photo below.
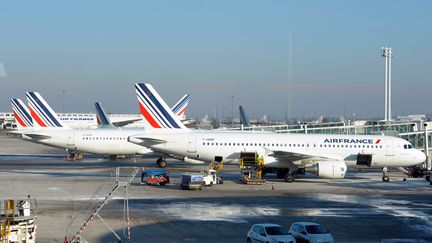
421, 157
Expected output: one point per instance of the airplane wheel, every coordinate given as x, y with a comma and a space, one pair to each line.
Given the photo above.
386, 178
113, 157
289, 178
427, 178
161, 162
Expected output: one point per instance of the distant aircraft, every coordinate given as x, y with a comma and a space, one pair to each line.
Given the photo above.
244, 120
288, 154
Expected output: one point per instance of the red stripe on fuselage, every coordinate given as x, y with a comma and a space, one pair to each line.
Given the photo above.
19, 120
37, 118
148, 116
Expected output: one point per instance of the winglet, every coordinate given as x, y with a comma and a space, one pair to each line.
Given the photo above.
157, 114
41, 112
21, 114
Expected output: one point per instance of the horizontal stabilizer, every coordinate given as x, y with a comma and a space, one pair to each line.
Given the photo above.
36, 136
124, 123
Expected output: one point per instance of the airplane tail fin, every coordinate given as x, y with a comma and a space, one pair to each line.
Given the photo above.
180, 107
243, 117
42, 113
21, 114
156, 113
101, 117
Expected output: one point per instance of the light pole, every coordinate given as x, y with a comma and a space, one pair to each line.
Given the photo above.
232, 110
386, 52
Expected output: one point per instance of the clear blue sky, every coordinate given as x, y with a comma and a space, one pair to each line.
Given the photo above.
96, 50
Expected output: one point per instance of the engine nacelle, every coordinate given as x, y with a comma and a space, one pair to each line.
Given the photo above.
328, 169
189, 160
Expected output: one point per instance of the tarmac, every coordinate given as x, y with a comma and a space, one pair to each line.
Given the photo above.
359, 208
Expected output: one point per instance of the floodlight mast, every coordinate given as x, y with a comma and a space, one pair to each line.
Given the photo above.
386, 52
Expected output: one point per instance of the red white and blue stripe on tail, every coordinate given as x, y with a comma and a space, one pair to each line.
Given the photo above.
180, 107
101, 116
41, 112
21, 113
154, 109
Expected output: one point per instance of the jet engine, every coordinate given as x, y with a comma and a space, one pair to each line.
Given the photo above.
328, 169
189, 160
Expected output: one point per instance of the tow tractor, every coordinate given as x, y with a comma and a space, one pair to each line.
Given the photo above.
155, 177
210, 177
197, 180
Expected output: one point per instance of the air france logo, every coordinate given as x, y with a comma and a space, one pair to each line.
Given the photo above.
347, 140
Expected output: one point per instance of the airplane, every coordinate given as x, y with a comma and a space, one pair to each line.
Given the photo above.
21, 114
328, 156
48, 129
244, 120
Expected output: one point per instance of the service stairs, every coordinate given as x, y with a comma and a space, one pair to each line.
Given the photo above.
216, 166
251, 166
121, 181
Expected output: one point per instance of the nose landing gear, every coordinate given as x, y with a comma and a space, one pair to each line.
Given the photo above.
161, 162
385, 176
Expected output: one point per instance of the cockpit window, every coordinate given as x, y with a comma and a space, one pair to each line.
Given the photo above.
408, 146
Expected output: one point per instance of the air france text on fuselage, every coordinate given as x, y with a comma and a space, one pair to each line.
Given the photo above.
347, 140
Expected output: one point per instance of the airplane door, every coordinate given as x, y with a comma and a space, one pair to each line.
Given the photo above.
70, 140
389, 148
191, 144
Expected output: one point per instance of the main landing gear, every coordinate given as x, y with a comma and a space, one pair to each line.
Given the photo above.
74, 155
385, 176
161, 162
286, 174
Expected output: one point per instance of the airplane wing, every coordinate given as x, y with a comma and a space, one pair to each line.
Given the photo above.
284, 155
126, 122
144, 140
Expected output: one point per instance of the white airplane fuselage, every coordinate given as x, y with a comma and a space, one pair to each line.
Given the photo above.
106, 141
386, 151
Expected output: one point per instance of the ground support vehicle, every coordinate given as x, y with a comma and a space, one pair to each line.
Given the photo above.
155, 177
